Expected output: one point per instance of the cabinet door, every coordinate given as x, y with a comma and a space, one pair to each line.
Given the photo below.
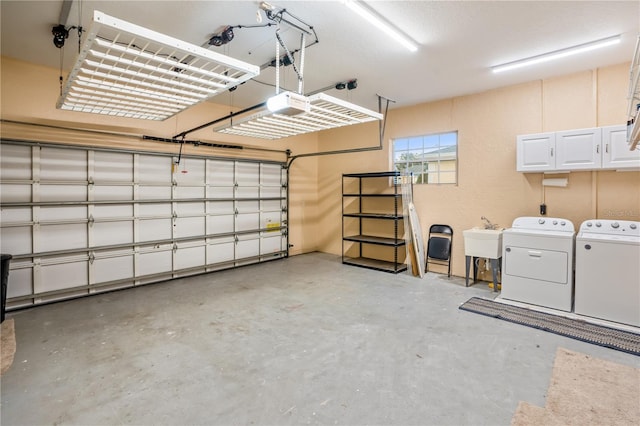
579, 149
616, 153
535, 152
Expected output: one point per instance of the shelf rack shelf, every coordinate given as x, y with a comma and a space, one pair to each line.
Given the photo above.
372, 221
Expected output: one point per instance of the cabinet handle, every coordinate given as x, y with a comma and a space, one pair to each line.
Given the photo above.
597, 149
552, 152
606, 148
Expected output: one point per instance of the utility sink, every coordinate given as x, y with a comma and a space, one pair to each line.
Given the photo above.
480, 242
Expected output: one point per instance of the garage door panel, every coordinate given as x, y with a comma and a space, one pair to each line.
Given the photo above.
247, 192
220, 192
271, 175
154, 209
20, 282
184, 209
154, 169
190, 171
270, 192
247, 222
248, 246
9, 215
154, 229
247, 174
112, 268
113, 167
186, 192
190, 257
220, 224
15, 193
220, 173
63, 193
156, 261
189, 227
220, 207
63, 237
112, 233
63, 275
15, 162
107, 211
271, 244
154, 192
112, 193
48, 213
63, 164
16, 240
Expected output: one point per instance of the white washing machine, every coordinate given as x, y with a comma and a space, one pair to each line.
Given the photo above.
608, 271
537, 262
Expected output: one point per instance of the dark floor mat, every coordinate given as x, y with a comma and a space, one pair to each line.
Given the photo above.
625, 341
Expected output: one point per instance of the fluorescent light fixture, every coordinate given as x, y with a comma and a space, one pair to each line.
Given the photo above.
379, 22
557, 54
125, 70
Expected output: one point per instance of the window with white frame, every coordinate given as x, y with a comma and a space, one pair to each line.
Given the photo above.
431, 159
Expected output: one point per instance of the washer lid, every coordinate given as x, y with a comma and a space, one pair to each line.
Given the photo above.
633, 239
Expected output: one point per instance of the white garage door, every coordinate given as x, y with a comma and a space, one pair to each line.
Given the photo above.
79, 221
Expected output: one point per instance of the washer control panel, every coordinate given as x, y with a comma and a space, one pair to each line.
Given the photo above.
615, 227
543, 223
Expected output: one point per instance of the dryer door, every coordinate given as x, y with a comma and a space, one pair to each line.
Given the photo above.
537, 264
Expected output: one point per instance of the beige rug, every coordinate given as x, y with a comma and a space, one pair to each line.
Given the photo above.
8, 342
586, 391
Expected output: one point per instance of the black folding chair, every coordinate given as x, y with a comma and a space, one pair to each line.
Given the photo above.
439, 246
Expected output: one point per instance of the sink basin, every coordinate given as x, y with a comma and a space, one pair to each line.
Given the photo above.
480, 242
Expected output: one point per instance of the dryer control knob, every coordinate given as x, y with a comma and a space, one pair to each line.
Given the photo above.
555, 222
563, 223
615, 225
541, 221
633, 226
589, 224
598, 224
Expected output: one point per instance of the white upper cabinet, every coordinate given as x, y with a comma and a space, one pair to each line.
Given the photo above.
616, 153
578, 149
536, 152
582, 149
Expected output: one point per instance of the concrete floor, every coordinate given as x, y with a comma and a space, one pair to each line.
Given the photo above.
305, 340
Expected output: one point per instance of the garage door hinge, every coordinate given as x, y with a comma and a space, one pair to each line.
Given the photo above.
91, 220
90, 181
174, 215
174, 182
236, 238
92, 257
175, 247
236, 211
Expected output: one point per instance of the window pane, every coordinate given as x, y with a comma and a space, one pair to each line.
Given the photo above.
430, 158
431, 141
399, 144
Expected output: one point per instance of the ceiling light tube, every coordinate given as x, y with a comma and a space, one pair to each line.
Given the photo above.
557, 54
380, 23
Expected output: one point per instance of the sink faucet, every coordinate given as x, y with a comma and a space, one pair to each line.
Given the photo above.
488, 225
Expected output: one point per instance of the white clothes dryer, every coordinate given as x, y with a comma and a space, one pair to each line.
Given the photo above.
537, 262
608, 271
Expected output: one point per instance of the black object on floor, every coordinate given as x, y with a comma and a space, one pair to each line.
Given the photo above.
608, 337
